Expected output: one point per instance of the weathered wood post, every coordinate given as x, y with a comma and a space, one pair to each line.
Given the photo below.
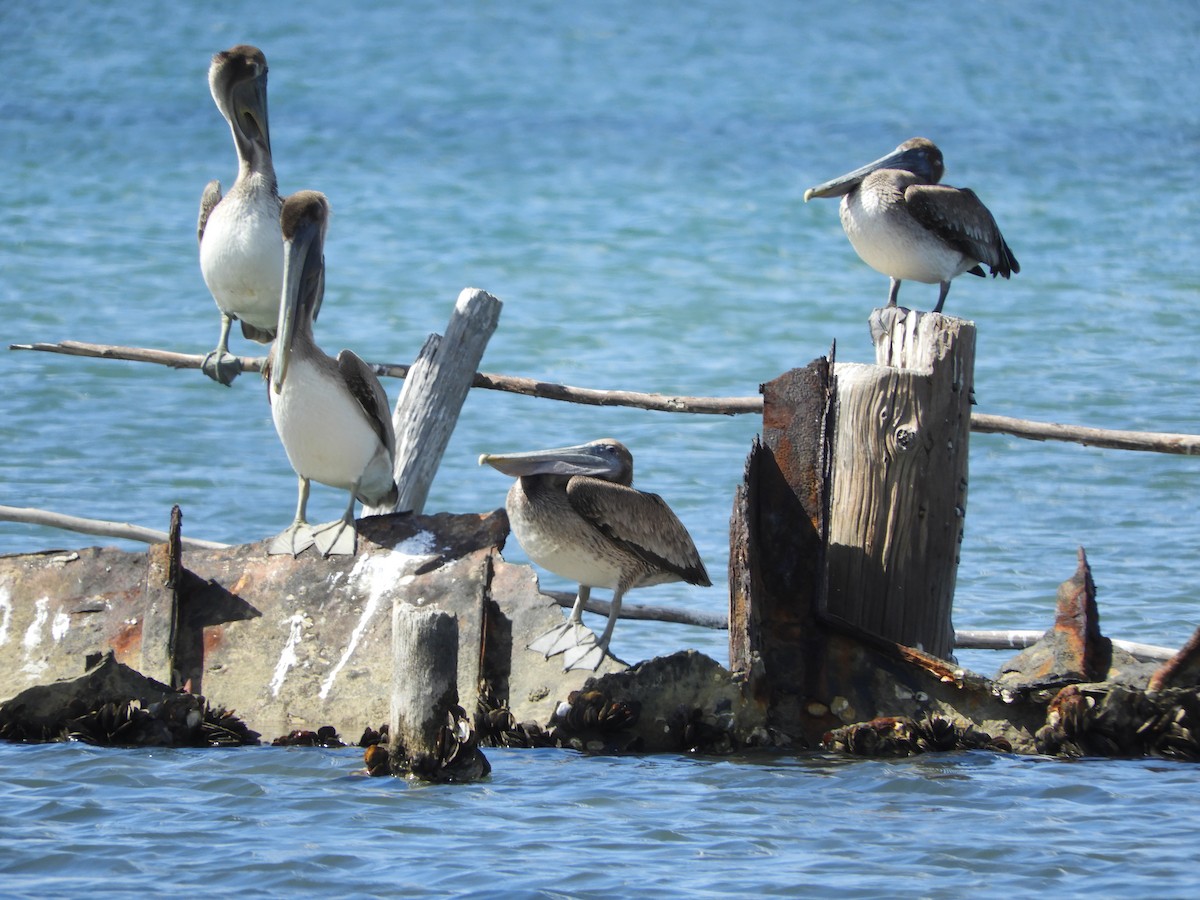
845, 533
899, 479
433, 394
160, 611
430, 736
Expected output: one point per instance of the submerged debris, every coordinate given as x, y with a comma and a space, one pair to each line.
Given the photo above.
325, 736
455, 756
113, 705
498, 727
1101, 720
898, 736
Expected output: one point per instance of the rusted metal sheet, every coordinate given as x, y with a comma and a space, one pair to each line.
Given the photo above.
287, 643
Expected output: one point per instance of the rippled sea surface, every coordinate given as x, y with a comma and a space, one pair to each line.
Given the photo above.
628, 179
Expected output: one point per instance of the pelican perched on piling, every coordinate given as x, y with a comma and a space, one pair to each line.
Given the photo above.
241, 254
902, 223
332, 415
575, 512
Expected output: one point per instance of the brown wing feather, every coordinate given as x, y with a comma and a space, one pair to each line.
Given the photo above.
639, 522
208, 202
369, 393
958, 217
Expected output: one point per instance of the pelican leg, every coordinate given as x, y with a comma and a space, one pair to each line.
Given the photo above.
220, 365
893, 292
942, 296
570, 634
340, 537
298, 536
588, 654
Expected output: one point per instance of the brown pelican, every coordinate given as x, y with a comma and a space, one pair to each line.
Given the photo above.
332, 415
902, 223
575, 513
241, 255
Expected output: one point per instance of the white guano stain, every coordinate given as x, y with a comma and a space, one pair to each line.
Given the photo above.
60, 626
375, 576
288, 657
5, 613
33, 638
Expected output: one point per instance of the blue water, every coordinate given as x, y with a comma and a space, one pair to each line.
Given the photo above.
628, 179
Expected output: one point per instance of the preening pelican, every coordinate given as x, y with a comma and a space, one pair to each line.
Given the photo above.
241, 254
575, 512
332, 415
902, 223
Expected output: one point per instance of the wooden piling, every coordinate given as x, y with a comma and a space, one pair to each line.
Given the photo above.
433, 394
845, 533
899, 479
430, 736
160, 611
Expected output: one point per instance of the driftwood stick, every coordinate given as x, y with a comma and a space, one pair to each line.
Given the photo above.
98, 526
1156, 442
1019, 640
981, 423
513, 384
135, 354
647, 613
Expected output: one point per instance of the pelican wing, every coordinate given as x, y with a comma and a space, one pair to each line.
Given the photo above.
208, 202
958, 218
639, 522
369, 393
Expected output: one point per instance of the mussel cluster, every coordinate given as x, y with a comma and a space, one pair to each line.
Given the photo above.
901, 736
325, 736
1122, 722
178, 720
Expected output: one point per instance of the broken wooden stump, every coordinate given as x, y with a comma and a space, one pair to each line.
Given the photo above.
430, 736
842, 550
898, 484
434, 390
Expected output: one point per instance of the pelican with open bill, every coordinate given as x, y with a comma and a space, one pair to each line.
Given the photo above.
902, 223
241, 254
332, 415
575, 513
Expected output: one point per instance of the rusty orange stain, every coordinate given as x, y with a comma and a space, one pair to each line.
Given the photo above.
127, 642
214, 637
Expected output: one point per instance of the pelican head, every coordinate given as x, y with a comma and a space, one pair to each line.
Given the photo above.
237, 79
304, 218
920, 156
606, 459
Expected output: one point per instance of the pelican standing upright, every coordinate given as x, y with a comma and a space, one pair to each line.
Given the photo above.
902, 223
241, 252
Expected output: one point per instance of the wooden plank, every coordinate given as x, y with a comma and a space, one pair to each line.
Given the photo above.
433, 394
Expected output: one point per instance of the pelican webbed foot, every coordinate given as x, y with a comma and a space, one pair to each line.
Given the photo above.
295, 539
587, 654
339, 538
221, 366
562, 638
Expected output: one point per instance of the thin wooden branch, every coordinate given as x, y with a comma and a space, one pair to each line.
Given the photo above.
1153, 441
532, 387
647, 613
98, 526
981, 423
1019, 640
